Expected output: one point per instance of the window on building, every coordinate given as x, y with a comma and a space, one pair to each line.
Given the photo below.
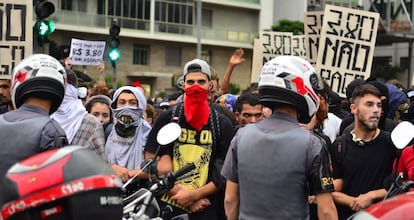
101, 7
381, 61
174, 16
405, 63
180, 12
71, 5
141, 54
173, 56
206, 56
207, 18
139, 9
66, 5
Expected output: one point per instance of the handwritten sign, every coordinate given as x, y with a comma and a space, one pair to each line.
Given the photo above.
275, 44
270, 45
298, 46
16, 34
346, 46
84, 52
313, 25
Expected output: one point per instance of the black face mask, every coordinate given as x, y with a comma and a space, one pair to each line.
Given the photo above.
125, 132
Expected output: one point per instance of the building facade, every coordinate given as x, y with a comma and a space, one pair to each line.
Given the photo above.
159, 36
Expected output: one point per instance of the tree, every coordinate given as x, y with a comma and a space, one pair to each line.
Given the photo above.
234, 88
296, 27
386, 71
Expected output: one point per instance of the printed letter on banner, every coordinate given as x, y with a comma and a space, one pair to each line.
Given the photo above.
313, 25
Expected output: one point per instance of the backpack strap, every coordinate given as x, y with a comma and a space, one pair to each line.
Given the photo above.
215, 126
340, 148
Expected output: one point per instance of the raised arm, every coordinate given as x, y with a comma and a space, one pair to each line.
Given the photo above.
235, 59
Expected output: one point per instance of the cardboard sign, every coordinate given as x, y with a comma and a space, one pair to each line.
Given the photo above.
257, 62
275, 44
298, 46
346, 46
16, 34
270, 45
313, 25
83, 52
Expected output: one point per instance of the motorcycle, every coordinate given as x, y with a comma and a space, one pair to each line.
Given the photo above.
84, 187
399, 200
142, 205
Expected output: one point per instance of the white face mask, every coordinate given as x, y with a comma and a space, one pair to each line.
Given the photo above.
128, 116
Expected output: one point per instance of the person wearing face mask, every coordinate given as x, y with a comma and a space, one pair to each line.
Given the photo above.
124, 149
206, 135
81, 128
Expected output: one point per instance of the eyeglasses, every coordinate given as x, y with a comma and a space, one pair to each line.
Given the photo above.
4, 86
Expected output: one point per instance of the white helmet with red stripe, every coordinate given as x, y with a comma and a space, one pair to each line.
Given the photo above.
39, 75
293, 81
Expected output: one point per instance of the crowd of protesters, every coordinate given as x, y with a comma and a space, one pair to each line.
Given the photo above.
270, 152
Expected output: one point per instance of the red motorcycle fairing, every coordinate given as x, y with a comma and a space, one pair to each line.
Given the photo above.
400, 207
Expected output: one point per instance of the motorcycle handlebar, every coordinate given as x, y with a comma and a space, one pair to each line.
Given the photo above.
187, 168
408, 185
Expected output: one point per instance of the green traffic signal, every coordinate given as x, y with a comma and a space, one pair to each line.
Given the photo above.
114, 54
44, 27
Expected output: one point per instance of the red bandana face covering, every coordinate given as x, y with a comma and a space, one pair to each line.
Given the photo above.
196, 107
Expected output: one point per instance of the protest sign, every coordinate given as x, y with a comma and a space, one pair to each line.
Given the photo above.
16, 34
275, 44
257, 60
83, 52
270, 45
312, 25
346, 46
298, 46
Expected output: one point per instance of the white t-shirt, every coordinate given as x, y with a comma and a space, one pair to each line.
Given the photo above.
331, 126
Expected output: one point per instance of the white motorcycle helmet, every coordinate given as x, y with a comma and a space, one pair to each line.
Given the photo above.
291, 80
41, 76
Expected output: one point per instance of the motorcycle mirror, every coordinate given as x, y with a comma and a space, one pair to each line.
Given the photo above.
402, 134
168, 133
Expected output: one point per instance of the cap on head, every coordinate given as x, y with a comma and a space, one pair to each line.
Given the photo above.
40, 76
197, 66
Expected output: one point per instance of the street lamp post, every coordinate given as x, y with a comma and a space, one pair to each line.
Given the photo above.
199, 5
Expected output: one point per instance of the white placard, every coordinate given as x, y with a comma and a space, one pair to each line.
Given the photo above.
313, 25
298, 46
83, 52
16, 34
275, 44
257, 62
346, 46
270, 45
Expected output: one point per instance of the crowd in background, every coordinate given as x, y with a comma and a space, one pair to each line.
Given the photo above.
108, 121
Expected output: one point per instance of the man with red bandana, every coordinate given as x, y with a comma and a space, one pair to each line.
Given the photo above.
206, 135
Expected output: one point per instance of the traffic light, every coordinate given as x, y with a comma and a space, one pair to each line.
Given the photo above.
43, 26
114, 53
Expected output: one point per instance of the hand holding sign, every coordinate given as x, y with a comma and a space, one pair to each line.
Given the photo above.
84, 52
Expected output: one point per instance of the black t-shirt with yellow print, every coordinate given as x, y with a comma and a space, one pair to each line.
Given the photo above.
198, 147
